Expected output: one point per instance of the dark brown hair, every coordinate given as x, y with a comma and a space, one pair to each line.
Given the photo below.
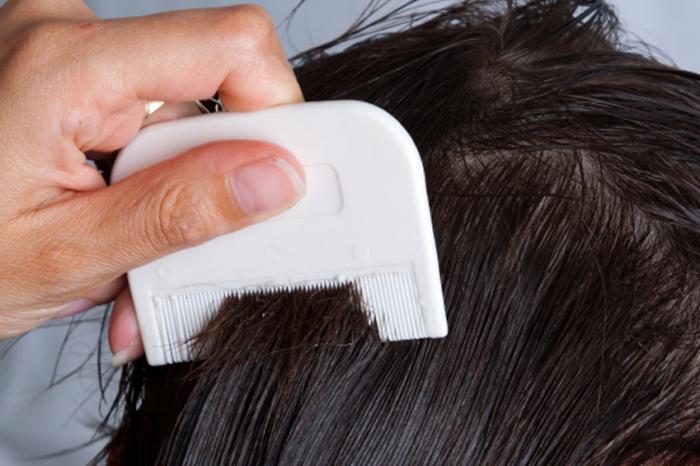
564, 181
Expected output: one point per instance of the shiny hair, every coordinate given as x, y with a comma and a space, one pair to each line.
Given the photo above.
564, 180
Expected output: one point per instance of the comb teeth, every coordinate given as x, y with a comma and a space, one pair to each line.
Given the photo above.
390, 300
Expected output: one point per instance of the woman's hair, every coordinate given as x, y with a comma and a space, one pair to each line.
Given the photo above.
564, 180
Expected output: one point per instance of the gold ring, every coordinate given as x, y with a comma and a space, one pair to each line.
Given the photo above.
151, 106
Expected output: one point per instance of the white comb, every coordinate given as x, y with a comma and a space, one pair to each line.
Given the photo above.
365, 219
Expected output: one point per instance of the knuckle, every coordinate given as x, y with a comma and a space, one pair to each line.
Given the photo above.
254, 15
179, 219
250, 25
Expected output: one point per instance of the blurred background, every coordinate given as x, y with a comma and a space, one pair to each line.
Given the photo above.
37, 420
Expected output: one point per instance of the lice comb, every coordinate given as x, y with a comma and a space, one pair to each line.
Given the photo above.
365, 219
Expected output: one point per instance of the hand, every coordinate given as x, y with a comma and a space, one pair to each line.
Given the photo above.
70, 84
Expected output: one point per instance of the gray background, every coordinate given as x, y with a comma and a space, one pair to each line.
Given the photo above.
33, 420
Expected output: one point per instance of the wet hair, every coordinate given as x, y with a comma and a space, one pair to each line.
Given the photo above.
563, 173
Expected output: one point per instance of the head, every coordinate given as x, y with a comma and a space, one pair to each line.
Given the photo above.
564, 181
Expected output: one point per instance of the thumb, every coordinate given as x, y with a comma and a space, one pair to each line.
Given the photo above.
203, 193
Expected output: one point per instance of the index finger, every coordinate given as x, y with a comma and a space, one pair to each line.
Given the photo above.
190, 55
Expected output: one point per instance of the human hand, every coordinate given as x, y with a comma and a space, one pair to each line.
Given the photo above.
71, 84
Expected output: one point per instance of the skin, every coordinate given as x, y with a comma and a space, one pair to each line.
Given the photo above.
72, 84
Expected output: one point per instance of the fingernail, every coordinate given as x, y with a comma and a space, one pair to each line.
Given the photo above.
120, 358
266, 187
128, 354
76, 307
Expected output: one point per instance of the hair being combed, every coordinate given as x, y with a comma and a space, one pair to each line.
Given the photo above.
261, 349
564, 180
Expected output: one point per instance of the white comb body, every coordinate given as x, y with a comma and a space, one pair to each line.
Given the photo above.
365, 219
